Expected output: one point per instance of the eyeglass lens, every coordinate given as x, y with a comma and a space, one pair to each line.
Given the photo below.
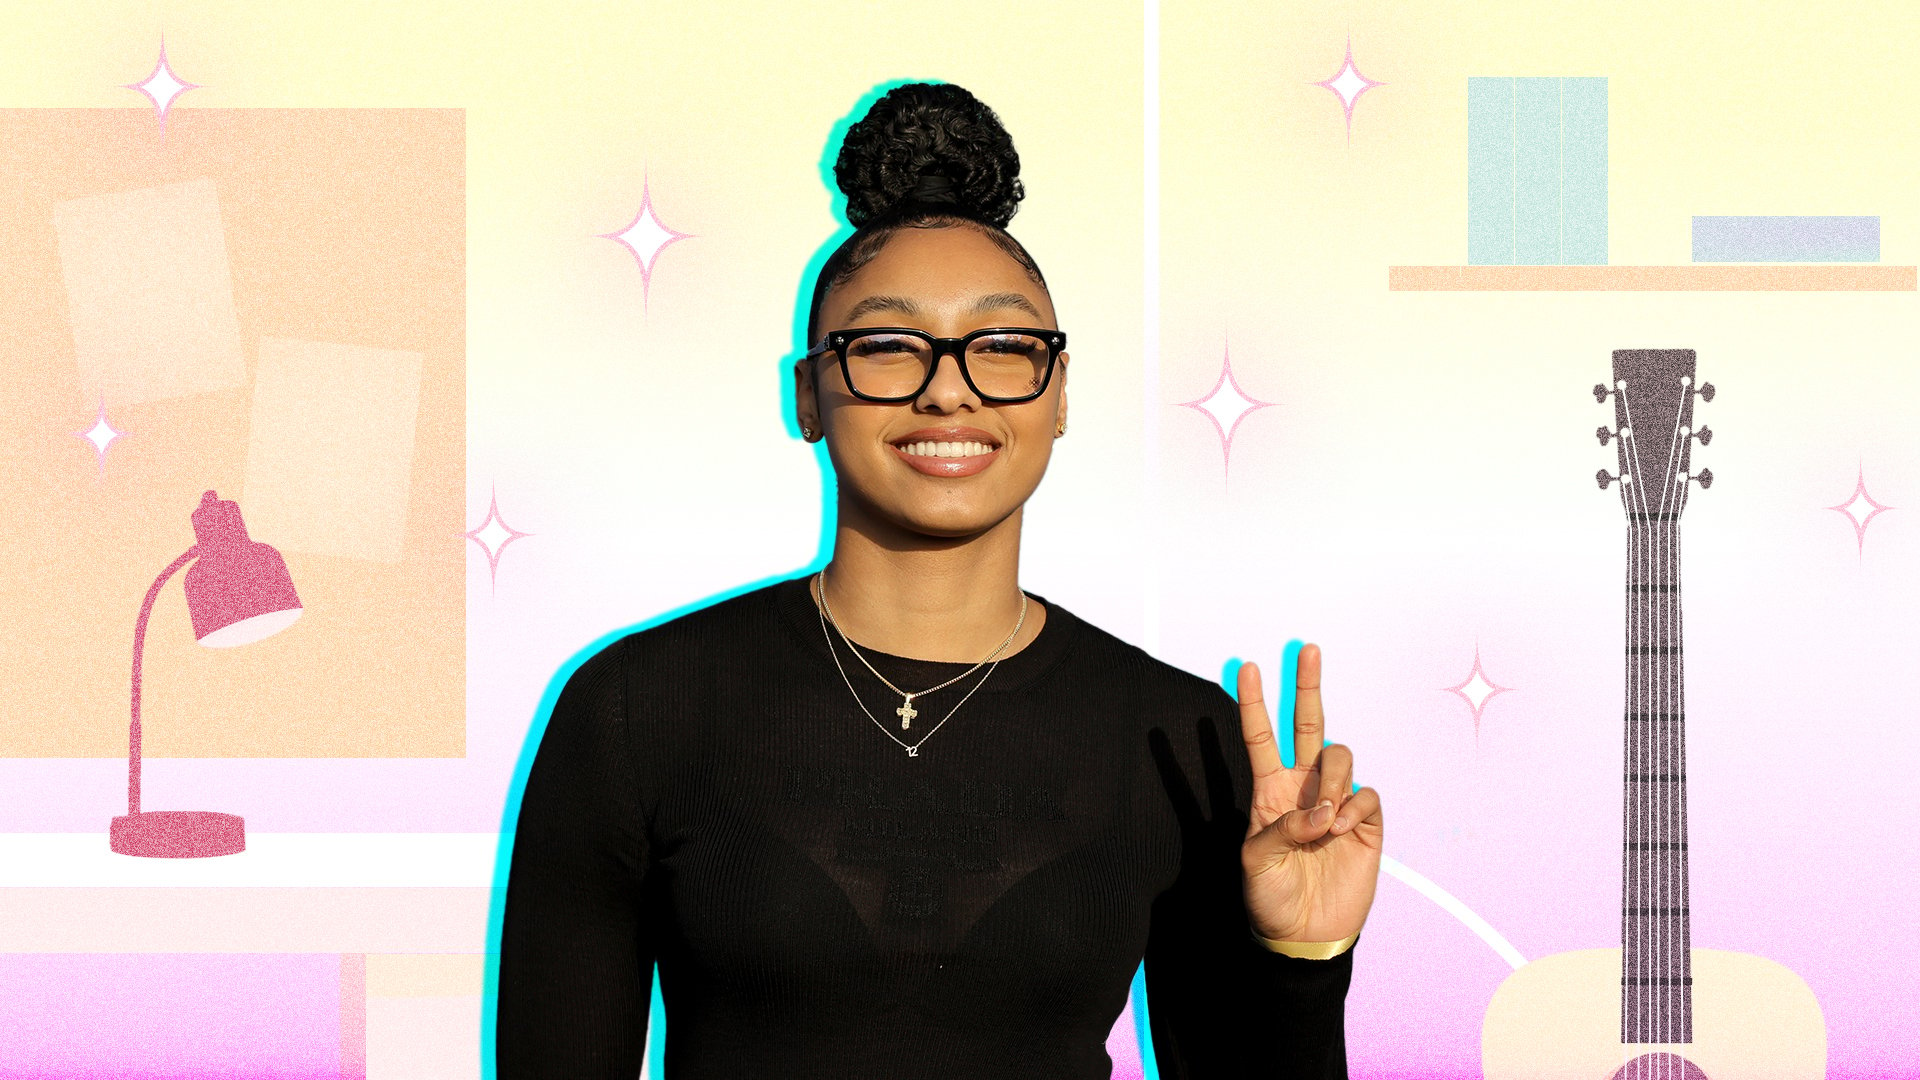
1010, 365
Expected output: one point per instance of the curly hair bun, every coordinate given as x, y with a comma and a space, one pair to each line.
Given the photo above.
929, 148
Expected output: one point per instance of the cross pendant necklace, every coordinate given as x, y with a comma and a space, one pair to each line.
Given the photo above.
906, 712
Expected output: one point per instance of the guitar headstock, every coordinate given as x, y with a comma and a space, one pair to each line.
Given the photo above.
1653, 433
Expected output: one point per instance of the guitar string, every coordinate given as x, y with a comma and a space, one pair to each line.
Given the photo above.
1633, 944
1664, 556
1658, 805
1680, 1019
1671, 856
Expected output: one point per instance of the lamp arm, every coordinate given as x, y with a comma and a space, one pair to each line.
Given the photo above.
139, 641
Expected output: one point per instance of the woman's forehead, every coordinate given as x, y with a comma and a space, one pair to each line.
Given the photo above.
963, 306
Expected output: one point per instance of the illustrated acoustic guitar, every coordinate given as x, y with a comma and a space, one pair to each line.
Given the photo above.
1656, 1008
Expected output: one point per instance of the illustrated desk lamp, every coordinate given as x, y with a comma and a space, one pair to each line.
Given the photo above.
239, 592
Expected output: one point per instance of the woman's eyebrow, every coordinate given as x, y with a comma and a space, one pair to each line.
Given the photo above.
882, 303
905, 306
1005, 300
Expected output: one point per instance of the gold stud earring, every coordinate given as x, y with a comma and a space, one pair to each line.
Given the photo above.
1060, 430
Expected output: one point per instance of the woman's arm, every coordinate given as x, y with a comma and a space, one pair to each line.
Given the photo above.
576, 956
1219, 1004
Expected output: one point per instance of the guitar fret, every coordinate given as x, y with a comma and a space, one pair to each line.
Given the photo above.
1653, 649
1654, 910
1660, 845
1655, 516
1637, 587
1657, 776
1656, 715
1658, 980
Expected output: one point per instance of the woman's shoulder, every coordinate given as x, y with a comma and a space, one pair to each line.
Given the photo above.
1154, 680
648, 687
697, 629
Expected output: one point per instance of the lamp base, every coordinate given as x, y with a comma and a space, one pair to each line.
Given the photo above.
178, 834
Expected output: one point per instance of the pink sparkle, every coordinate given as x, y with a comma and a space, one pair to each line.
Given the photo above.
1348, 84
493, 535
1476, 690
101, 435
1226, 400
645, 236
1850, 509
161, 86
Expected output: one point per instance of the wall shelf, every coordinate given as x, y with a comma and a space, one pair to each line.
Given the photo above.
1679, 278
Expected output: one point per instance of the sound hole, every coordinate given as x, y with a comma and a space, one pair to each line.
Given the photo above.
1660, 1065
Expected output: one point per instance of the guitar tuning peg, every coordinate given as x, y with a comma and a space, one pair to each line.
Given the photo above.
1602, 434
1704, 476
1600, 393
1705, 391
1605, 478
1705, 435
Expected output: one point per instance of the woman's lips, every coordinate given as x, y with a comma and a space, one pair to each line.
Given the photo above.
945, 466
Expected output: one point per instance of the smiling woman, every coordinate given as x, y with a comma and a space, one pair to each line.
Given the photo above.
935, 460
725, 793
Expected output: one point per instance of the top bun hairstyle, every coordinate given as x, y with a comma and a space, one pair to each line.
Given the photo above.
926, 155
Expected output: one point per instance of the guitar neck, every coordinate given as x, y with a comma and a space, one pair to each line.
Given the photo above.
1656, 978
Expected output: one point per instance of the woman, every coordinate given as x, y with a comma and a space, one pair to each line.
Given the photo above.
900, 818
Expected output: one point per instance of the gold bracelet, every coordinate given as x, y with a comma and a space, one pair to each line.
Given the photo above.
1307, 950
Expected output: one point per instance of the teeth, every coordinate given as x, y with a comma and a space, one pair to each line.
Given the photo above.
947, 449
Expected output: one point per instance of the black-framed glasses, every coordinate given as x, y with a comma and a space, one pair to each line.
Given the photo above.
896, 363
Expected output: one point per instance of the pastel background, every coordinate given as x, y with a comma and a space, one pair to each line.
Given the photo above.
1408, 479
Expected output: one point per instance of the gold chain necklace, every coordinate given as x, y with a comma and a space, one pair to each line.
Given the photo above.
906, 711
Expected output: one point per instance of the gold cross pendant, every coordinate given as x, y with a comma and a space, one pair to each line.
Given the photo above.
906, 713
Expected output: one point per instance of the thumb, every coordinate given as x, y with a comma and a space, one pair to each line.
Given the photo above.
1295, 828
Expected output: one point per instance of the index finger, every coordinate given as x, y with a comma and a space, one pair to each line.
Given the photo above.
1309, 723
1255, 728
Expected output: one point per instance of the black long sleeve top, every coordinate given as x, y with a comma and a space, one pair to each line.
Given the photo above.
709, 797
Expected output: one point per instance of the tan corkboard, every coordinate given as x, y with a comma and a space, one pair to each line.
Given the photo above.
271, 305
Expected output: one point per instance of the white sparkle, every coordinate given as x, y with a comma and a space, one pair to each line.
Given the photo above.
646, 236
162, 86
1476, 690
101, 435
1226, 405
1859, 509
493, 535
1348, 84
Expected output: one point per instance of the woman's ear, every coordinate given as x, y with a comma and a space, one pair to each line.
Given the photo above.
806, 406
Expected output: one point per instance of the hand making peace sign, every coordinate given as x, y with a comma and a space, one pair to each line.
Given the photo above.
1306, 880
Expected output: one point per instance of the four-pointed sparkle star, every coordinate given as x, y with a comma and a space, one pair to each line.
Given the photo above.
1476, 690
162, 86
646, 235
1859, 509
493, 535
101, 435
1348, 84
1226, 405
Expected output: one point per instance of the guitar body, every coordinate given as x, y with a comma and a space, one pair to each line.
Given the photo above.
1558, 1018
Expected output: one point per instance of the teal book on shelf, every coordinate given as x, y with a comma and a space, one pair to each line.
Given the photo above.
1536, 170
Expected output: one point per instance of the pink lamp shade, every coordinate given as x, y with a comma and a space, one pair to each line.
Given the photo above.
238, 592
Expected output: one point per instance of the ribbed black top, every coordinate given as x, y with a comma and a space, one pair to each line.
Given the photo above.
708, 796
